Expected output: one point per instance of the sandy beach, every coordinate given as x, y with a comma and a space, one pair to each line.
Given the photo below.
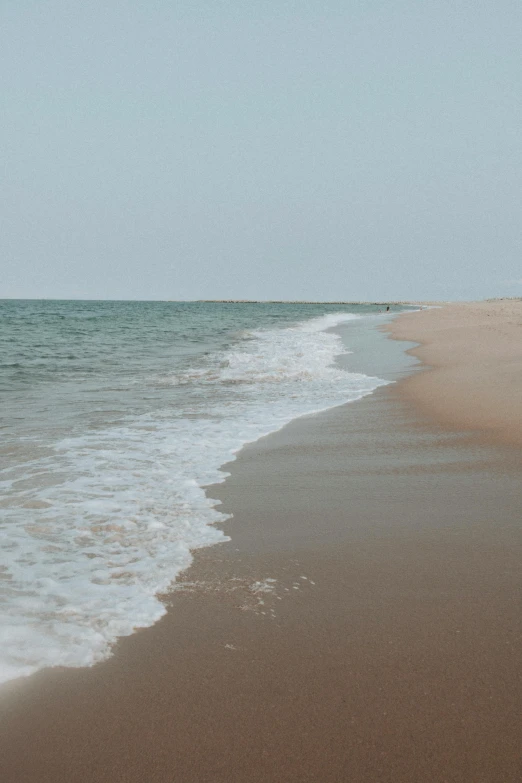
362, 625
475, 352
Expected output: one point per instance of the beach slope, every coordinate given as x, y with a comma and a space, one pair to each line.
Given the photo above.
475, 355
362, 625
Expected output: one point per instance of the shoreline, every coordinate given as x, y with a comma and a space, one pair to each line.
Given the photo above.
362, 623
473, 379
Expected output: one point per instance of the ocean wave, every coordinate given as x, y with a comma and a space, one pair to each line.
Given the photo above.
99, 526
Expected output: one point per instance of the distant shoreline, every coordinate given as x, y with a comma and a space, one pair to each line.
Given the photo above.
411, 302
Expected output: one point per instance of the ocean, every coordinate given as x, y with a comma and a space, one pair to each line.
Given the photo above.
114, 417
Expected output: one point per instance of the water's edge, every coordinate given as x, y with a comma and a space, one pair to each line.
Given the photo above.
361, 355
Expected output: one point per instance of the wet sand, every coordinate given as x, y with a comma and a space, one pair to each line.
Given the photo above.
388, 648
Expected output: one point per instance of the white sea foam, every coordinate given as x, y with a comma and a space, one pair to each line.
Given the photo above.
103, 523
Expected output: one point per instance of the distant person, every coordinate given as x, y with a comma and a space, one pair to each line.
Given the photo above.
388, 309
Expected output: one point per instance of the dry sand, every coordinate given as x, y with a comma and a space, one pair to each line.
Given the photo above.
388, 648
475, 351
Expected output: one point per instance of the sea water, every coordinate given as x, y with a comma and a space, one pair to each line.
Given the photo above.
114, 417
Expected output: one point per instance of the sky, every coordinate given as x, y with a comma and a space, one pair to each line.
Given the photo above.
357, 150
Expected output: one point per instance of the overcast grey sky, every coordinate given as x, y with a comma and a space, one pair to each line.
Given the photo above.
366, 149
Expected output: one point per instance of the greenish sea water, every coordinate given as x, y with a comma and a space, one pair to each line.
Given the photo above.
114, 417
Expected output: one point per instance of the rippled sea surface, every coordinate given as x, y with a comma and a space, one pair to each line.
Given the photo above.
114, 416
